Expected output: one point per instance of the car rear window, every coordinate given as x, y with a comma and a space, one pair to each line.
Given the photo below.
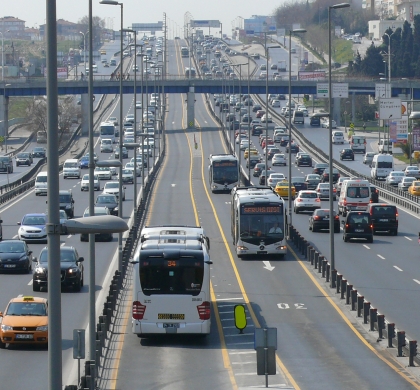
381, 210
358, 218
308, 195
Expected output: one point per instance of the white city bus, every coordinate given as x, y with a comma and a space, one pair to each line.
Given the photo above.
107, 130
223, 172
258, 222
171, 288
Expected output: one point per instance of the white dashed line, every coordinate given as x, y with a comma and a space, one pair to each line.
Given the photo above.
408, 238
397, 268
417, 281
366, 246
381, 257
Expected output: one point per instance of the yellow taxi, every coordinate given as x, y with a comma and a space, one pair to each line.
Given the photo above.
414, 189
254, 152
25, 321
103, 52
282, 189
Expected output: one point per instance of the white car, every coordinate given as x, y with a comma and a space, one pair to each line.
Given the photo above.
244, 144
113, 188
306, 200
138, 104
275, 103
267, 117
139, 159
129, 118
103, 173
412, 171
127, 176
394, 178
326, 124
405, 183
33, 228
130, 166
84, 184
274, 178
106, 145
241, 137
278, 159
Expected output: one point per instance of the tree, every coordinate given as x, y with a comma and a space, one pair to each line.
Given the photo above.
98, 26
67, 113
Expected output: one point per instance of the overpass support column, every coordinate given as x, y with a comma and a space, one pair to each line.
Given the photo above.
85, 113
2, 113
190, 108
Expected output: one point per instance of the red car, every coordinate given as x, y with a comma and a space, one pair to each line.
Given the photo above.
269, 141
260, 113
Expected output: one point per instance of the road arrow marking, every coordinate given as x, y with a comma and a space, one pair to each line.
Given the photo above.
268, 266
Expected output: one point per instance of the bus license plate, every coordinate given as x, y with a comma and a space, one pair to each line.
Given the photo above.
171, 325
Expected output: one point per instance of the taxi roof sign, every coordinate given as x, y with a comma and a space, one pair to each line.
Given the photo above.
28, 298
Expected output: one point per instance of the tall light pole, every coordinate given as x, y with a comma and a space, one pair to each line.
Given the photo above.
84, 46
120, 204
330, 144
2, 56
289, 193
389, 61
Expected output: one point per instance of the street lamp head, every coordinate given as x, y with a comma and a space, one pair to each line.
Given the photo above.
109, 2
341, 5
298, 30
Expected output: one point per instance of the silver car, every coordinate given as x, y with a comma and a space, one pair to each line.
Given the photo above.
368, 158
394, 178
323, 191
405, 183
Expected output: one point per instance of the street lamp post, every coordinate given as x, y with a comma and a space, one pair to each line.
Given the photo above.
120, 204
2, 56
289, 194
330, 144
345, 116
84, 46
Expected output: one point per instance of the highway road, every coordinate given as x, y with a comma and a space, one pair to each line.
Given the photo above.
318, 347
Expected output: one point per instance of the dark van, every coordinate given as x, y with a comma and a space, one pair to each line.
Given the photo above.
315, 121
357, 224
384, 217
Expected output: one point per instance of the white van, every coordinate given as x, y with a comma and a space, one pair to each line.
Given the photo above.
337, 137
71, 168
41, 183
385, 146
298, 117
354, 196
358, 144
382, 165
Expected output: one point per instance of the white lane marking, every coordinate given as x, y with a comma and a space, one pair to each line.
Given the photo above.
366, 246
229, 299
268, 266
15, 237
173, 185
417, 281
381, 257
408, 238
397, 268
63, 244
31, 282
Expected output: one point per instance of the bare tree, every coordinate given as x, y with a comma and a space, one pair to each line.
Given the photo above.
68, 112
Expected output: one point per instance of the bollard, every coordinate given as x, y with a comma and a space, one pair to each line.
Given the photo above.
98, 352
312, 256
304, 246
333, 278
381, 324
400, 342
360, 299
349, 288
320, 260
324, 267
353, 295
391, 334
316, 259
366, 308
327, 273
338, 283
308, 252
373, 317
413, 351
343, 288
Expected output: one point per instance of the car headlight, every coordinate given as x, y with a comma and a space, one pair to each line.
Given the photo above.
43, 328
21, 230
39, 270
5, 328
68, 206
73, 270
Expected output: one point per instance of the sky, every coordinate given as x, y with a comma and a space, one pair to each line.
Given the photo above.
33, 12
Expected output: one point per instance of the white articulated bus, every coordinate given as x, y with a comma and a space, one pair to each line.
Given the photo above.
258, 222
223, 172
171, 288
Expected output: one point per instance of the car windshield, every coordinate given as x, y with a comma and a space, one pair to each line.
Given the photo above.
23, 155
105, 199
127, 172
26, 309
12, 247
63, 214
33, 220
66, 256
65, 198
70, 165
112, 185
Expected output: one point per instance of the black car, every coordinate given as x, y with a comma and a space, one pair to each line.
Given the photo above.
67, 202
6, 164
24, 158
384, 217
347, 154
358, 224
284, 140
299, 183
374, 194
315, 121
109, 201
258, 168
325, 177
124, 152
252, 161
257, 130
264, 174
294, 148
312, 180
271, 152
281, 97
71, 269
15, 256
304, 160
319, 168
320, 219
256, 107
39, 152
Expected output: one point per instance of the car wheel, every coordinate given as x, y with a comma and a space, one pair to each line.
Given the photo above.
337, 230
370, 240
345, 239
310, 227
395, 232
78, 287
2, 345
352, 159
29, 269
36, 287
296, 210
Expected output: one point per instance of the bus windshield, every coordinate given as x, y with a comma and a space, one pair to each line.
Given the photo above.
107, 130
182, 276
225, 172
